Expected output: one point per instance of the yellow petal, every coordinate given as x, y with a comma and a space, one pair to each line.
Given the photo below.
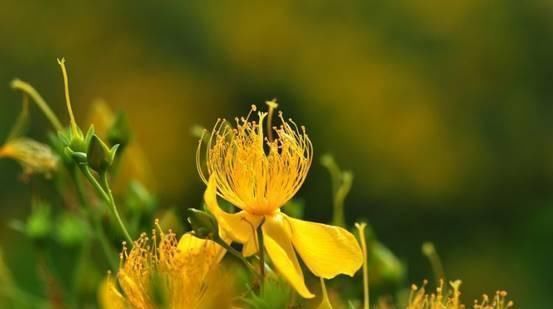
326, 250
190, 245
240, 226
108, 295
279, 248
134, 290
251, 247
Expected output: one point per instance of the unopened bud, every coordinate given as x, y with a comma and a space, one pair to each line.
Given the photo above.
100, 157
203, 224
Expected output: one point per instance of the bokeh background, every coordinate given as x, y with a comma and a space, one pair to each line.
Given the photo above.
443, 111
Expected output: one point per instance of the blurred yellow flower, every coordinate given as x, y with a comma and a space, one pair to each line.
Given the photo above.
135, 165
34, 157
419, 299
259, 175
165, 273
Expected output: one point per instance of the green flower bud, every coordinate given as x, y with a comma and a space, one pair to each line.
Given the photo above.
203, 223
79, 142
100, 157
75, 146
77, 157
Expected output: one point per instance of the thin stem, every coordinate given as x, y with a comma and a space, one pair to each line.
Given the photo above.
80, 188
86, 171
361, 230
102, 238
261, 245
96, 224
74, 127
27, 89
237, 254
325, 303
430, 252
111, 201
21, 121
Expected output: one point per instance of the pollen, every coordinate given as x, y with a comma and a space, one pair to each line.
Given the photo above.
158, 268
450, 298
257, 168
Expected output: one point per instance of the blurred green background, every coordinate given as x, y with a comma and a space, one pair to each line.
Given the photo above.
443, 111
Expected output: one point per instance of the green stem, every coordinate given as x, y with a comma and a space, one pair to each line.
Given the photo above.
429, 250
30, 91
106, 247
338, 218
237, 254
261, 245
111, 201
96, 224
80, 188
361, 230
21, 121
88, 174
74, 126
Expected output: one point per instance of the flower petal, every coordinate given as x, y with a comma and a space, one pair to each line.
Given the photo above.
279, 248
250, 247
239, 227
190, 245
326, 250
108, 295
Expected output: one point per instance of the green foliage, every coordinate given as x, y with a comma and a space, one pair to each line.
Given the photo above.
341, 185
71, 230
39, 225
276, 293
138, 199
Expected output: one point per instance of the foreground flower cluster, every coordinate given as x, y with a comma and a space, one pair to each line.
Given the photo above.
256, 165
163, 271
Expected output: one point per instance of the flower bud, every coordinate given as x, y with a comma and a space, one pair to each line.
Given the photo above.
75, 145
99, 156
79, 142
203, 224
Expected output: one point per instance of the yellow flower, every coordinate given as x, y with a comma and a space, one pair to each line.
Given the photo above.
419, 299
166, 272
34, 157
259, 175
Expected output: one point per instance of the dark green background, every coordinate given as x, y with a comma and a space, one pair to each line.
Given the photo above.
442, 110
